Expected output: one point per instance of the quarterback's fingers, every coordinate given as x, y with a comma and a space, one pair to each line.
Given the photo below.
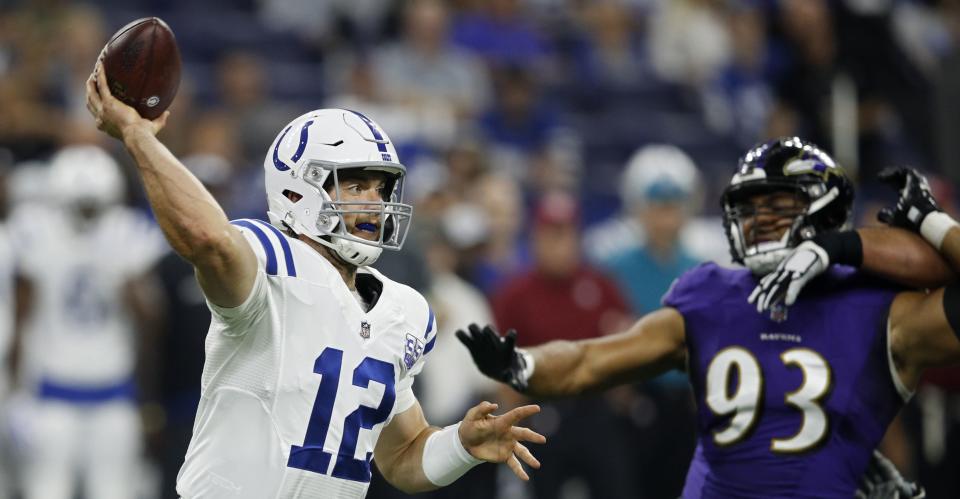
514, 415
527, 435
517, 469
755, 294
525, 455
93, 95
480, 411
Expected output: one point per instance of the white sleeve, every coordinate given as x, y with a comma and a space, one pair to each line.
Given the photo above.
405, 396
143, 243
273, 253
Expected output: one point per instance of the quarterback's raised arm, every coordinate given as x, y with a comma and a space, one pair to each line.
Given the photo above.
654, 344
192, 221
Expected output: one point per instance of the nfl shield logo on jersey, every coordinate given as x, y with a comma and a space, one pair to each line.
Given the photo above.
364, 329
778, 312
412, 351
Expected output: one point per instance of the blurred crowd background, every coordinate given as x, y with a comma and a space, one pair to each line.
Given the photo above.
565, 159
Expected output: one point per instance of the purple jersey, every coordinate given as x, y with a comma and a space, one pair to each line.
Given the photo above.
789, 408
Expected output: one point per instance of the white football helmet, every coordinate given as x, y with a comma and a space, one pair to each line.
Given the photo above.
85, 176
304, 162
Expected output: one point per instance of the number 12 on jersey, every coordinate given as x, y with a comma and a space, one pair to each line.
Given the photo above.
311, 456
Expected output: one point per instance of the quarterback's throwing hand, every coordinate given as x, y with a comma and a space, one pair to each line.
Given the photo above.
110, 114
496, 439
807, 261
497, 356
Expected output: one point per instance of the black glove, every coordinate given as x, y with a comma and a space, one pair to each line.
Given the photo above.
883, 481
915, 203
495, 355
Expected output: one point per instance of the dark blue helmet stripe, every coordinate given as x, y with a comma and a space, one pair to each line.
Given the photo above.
381, 146
304, 133
280, 165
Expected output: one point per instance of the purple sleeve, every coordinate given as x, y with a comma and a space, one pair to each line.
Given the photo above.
690, 289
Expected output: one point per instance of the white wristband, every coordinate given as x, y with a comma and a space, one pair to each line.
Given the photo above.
935, 227
444, 457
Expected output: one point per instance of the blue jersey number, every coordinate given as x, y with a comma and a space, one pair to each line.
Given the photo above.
310, 456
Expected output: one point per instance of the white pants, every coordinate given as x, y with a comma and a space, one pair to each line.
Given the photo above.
99, 444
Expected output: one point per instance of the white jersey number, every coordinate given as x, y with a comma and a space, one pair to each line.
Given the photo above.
744, 402
311, 456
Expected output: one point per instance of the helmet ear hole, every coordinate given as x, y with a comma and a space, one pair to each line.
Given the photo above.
292, 196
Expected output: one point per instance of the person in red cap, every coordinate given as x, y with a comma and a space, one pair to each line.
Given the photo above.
562, 297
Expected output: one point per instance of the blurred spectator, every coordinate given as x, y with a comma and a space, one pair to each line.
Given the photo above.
423, 71
611, 52
504, 252
659, 179
520, 119
84, 265
562, 298
246, 102
354, 86
451, 384
498, 31
947, 96
689, 41
739, 99
660, 190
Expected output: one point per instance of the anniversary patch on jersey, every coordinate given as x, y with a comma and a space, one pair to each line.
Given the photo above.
412, 351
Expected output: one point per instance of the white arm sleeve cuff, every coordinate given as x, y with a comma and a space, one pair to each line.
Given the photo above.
935, 227
444, 457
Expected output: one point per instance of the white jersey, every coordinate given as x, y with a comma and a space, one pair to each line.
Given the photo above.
299, 380
79, 334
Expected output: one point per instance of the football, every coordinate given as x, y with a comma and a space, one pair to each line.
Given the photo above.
142, 65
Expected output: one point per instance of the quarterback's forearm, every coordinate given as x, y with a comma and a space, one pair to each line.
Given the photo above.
404, 470
192, 221
904, 257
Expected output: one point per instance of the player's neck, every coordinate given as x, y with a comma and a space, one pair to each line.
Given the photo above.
347, 271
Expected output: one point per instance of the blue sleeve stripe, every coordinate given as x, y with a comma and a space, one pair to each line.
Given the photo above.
430, 345
264, 240
429, 322
284, 245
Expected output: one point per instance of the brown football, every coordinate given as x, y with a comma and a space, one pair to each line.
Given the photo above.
142, 64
